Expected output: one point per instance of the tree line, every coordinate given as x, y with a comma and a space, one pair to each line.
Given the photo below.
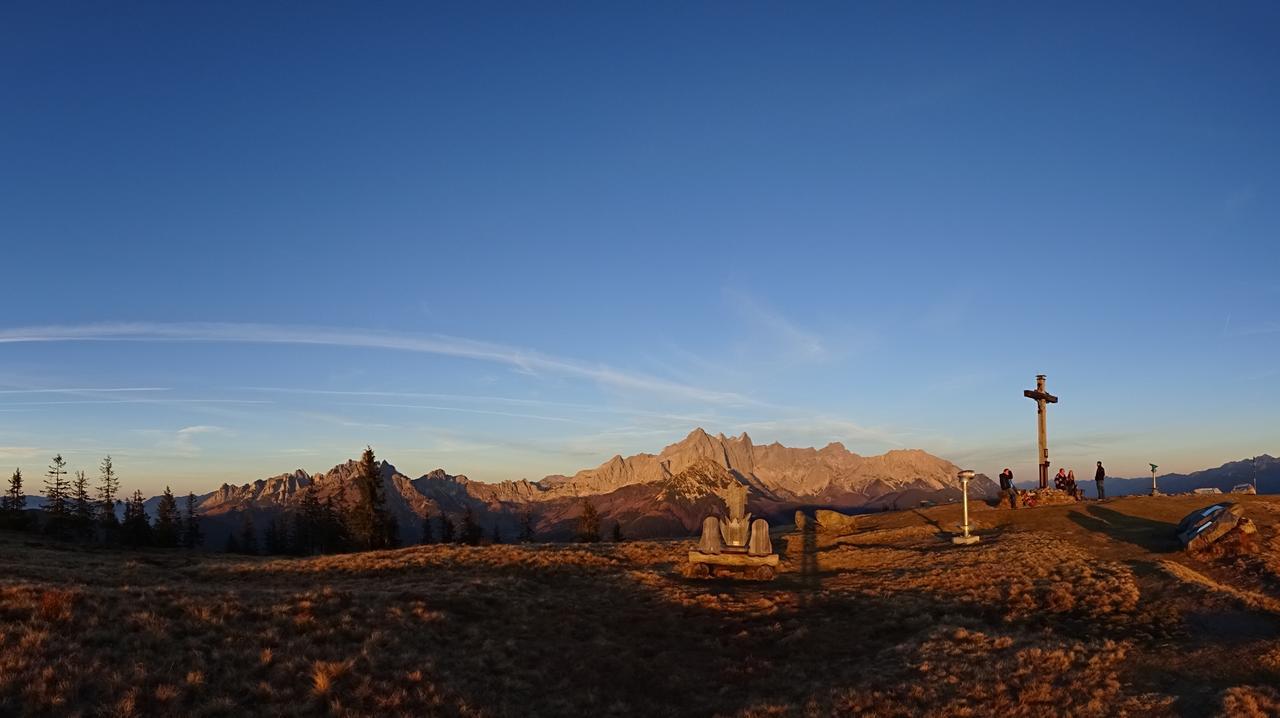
75, 510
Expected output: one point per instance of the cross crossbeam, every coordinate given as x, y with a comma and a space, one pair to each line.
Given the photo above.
1042, 398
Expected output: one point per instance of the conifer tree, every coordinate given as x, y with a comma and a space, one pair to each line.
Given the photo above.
136, 526
192, 536
368, 521
526, 526
14, 502
108, 487
428, 536
588, 523
82, 504
471, 531
81, 508
392, 531
307, 524
248, 535
56, 490
168, 528
334, 536
275, 538
497, 533
446, 529
617, 532
232, 546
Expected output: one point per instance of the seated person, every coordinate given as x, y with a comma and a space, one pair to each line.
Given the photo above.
1071, 487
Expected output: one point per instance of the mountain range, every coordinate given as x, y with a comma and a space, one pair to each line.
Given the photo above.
648, 495
1265, 469
663, 494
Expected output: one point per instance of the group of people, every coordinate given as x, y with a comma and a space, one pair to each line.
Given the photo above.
1065, 480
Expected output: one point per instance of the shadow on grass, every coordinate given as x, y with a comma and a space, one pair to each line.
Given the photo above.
1148, 534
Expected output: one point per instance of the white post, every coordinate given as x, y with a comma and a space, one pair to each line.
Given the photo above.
967, 538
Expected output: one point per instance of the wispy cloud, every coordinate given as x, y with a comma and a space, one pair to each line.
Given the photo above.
18, 452
462, 410
110, 390
481, 398
786, 334
183, 442
517, 358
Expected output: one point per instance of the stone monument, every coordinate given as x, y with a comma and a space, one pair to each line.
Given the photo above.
734, 542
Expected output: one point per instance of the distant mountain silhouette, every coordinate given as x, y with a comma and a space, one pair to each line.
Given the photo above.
650, 495
668, 493
1233, 473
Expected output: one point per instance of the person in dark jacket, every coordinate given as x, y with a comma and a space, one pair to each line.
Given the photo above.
1006, 486
1098, 477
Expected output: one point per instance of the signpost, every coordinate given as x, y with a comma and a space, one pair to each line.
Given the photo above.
967, 538
1154, 491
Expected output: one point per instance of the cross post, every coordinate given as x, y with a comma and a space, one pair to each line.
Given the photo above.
1042, 397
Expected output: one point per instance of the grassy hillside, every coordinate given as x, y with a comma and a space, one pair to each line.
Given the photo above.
1081, 610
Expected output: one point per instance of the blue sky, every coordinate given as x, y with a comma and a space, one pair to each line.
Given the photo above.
513, 240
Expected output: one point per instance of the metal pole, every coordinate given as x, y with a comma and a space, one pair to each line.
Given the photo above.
967, 538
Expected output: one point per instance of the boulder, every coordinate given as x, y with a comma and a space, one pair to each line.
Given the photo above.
834, 522
1202, 528
1239, 541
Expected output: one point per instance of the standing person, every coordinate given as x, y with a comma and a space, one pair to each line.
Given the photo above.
1098, 477
1006, 486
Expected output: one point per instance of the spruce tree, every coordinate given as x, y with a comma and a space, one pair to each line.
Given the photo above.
14, 499
56, 490
334, 536
136, 526
497, 533
192, 536
307, 524
275, 539
588, 523
248, 535
617, 532
368, 522
471, 531
81, 505
168, 524
526, 526
232, 546
446, 529
14, 503
427, 534
108, 487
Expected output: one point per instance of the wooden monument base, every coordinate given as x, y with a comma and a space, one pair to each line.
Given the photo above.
760, 568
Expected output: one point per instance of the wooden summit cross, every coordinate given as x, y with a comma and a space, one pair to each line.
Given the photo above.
1042, 397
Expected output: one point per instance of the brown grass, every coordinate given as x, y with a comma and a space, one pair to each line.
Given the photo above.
1058, 611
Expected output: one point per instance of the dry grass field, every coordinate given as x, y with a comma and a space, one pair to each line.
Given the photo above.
1083, 610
